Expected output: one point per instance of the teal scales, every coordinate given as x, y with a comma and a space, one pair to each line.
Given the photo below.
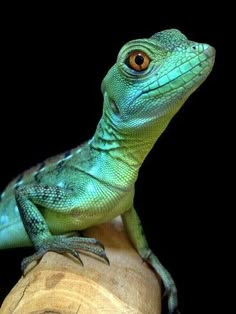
93, 183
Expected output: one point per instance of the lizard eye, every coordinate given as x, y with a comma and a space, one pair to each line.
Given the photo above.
138, 61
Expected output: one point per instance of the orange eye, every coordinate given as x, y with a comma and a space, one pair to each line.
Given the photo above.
138, 61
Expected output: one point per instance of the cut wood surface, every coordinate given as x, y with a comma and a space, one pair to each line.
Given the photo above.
59, 284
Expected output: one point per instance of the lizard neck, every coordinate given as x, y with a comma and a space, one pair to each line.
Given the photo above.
118, 154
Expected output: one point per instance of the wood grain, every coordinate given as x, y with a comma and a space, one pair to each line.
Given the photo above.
59, 284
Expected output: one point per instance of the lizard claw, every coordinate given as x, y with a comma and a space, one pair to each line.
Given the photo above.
64, 244
28, 260
171, 295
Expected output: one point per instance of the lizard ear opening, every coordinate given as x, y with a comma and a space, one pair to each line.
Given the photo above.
108, 102
114, 107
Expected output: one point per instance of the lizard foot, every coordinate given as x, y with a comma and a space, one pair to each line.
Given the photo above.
64, 244
171, 294
168, 282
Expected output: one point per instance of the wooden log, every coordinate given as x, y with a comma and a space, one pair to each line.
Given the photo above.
59, 284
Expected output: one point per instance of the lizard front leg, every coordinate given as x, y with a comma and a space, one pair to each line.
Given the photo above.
57, 199
135, 231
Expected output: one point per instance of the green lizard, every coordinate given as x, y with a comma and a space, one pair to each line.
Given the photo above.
94, 182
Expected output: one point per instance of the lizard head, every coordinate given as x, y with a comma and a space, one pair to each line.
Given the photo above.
153, 77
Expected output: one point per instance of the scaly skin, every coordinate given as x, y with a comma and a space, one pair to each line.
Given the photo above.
94, 183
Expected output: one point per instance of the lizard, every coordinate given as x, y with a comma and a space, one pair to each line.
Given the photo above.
95, 182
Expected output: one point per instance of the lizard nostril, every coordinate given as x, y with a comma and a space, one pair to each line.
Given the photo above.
194, 48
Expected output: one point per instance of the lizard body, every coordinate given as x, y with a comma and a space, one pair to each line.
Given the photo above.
94, 182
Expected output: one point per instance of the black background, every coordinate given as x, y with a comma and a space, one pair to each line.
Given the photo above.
53, 66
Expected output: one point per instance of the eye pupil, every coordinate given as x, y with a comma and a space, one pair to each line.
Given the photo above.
139, 59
